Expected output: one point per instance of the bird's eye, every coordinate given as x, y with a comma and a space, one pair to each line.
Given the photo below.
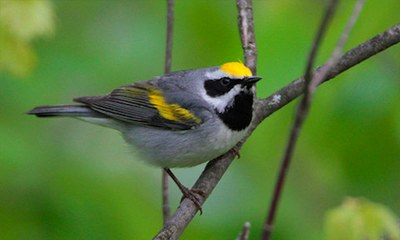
225, 82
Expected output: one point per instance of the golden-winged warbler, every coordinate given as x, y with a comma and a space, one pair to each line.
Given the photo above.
180, 119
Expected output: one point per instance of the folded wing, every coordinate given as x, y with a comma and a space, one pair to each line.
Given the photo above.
142, 104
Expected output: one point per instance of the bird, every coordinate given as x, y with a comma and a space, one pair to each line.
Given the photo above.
180, 119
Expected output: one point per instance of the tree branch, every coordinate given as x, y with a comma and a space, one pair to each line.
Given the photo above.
262, 109
311, 82
247, 36
265, 107
170, 28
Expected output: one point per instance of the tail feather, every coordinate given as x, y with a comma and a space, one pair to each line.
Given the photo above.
65, 111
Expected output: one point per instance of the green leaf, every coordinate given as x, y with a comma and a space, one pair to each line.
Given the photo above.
21, 21
360, 219
27, 19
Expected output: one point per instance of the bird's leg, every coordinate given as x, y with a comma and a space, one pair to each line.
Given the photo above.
191, 194
236, 151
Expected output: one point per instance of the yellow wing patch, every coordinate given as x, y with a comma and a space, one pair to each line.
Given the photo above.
237, 69
172, 112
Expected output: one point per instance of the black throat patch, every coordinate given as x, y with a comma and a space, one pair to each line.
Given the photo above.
240, 114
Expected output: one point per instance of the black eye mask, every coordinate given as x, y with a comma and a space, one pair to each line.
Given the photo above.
218, 87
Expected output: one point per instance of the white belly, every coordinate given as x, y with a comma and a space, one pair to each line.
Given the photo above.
169, 149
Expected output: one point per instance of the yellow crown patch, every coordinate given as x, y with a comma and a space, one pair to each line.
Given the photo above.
236, 69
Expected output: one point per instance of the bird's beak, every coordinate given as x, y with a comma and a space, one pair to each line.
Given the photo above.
249, 81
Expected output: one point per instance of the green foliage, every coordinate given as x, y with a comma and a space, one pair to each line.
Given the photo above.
360, 219
21, 21
66, 179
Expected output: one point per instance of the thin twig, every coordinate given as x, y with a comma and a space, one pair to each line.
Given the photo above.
247, 35
165, 197
170, 28
245, 233
339, 47
311, 81
330, 10
168, 56
301, 113
248, 40
264, 108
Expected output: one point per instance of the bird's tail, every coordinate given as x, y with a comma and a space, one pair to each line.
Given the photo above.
66, 111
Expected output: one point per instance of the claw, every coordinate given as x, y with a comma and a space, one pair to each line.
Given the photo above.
236, 151
192, 194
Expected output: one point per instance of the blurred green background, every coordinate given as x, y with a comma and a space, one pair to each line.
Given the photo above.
66, 179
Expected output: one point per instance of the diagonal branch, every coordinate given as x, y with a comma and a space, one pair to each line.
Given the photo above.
362, 52
330, 11
311, 82
263, 108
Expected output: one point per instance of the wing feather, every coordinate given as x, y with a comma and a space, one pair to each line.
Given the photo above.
142, 104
